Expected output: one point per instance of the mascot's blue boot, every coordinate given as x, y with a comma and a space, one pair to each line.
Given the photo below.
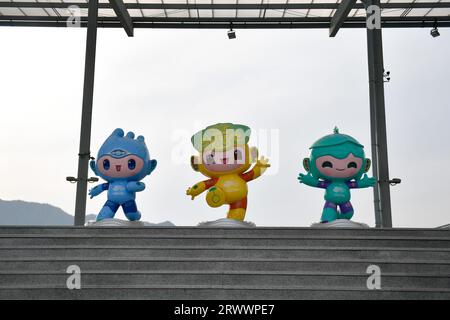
105, 213
133, 216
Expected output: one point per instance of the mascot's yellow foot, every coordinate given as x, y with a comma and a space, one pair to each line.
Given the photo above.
215, 197
236, 214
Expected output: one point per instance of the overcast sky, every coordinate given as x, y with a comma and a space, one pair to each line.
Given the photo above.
292, 86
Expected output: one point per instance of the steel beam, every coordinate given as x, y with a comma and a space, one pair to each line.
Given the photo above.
385, 20
382, 197
226, 6
223, 25
86, 114
340, 16
123, 15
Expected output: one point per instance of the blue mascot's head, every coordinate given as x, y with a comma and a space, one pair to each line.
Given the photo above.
123, 158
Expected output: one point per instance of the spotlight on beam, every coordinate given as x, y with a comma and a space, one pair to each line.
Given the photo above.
231, 33
435, 32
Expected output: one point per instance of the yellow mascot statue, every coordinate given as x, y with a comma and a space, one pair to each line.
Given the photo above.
225, 158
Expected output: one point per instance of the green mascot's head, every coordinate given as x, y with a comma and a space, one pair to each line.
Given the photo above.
337, 157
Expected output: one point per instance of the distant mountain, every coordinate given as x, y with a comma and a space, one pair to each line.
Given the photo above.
22, 213
19, 212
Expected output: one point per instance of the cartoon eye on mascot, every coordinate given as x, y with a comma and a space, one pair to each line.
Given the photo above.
225, 158
337, 164
123, 162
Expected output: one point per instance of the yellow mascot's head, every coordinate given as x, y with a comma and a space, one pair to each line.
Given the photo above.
223, 149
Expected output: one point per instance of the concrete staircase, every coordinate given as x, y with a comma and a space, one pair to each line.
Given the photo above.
204, 263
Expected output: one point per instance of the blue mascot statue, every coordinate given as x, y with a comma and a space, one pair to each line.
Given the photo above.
337, 164
123, 162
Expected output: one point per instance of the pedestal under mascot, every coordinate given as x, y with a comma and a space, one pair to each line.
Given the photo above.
337, 164
224, 157
123, 162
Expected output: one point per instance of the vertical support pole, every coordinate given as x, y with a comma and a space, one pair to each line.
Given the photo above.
86, 115
382, 197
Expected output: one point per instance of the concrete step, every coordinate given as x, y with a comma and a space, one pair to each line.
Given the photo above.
231, 264
227, 252
226, 278
213, 232
223, 240
202, 292
204, 263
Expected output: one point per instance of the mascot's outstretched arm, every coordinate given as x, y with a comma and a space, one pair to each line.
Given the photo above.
366, 182
200, 187
258, 170
95, 191
308, 179
135, 186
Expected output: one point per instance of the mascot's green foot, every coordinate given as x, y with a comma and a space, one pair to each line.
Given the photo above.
347, 215
328, 215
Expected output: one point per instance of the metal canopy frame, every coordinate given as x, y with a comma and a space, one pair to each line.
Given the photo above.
123, 15
340, 16
258, 15
188, 14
